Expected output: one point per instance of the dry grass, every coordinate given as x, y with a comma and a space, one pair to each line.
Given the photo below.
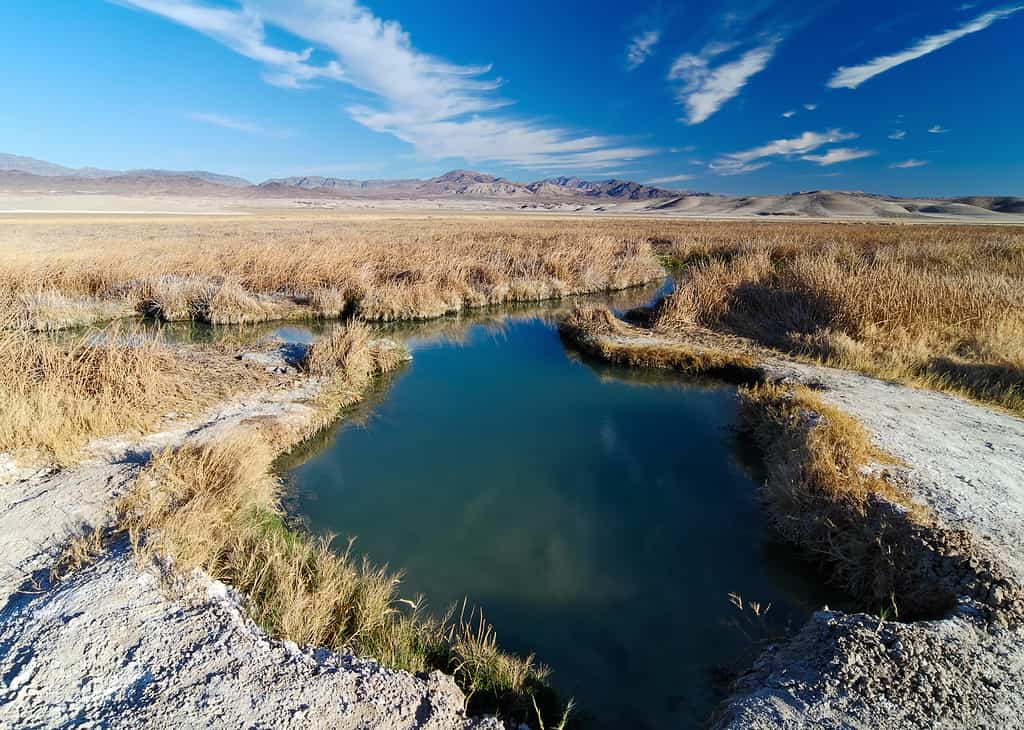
82, 548
937, 306
597, 332
43, 310
835, 453
941, 307
351, 354
59, 394
827, 491
56, 397
231, 271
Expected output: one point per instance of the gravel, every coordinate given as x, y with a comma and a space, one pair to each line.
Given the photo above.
119, 647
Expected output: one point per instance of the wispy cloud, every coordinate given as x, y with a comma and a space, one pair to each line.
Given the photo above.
898, 134
837, 155
232, 123
810, 107
441, 109
737, 163
242, 31
853, 76
907, 164
706, 88
641, 47
725, 166
937, 129
671, 179
789, 114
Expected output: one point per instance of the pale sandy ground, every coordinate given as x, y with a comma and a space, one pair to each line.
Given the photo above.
17, 205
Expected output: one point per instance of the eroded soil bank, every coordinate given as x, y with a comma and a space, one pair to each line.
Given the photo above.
960, 464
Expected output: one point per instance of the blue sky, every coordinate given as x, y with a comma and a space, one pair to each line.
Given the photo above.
741, 97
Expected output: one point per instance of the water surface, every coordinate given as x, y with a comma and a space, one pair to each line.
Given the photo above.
600, 516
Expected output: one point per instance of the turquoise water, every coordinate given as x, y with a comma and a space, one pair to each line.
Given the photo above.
599, 516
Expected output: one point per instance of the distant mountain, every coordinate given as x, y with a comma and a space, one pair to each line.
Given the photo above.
477, 185
33, 166
316, 182
621, 189
472, 184
126, 184
12, 163
211, 177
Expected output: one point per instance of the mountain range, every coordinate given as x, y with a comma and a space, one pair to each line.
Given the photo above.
41, 168
26, 175
480, 185
18, 169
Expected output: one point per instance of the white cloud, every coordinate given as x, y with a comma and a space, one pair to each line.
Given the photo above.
737, 163
837, 155
898, 134
706, 89
503, 140
937, 129
671, 179
226, 122
641, 47
242, 31
441, 109
907, 164
788, 114
806, 142
726, 166
810, 107
853, 76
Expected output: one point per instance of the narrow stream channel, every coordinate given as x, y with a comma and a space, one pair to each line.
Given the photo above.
600, 516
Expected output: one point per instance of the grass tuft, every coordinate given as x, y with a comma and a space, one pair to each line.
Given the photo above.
82, 549
598, 333
828, 490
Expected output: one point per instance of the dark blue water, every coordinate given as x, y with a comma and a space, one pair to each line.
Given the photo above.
600, 516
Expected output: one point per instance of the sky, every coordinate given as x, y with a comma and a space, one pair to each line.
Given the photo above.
762, 96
